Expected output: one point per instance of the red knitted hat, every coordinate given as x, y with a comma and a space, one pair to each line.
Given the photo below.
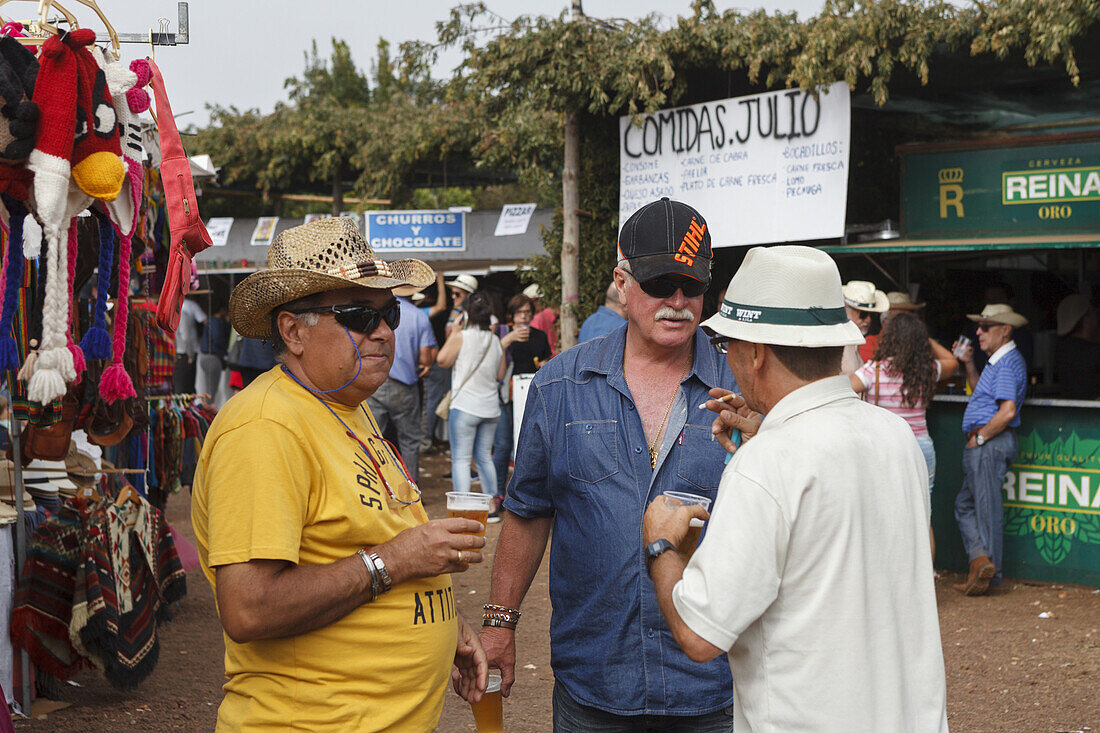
96, 161
54, 93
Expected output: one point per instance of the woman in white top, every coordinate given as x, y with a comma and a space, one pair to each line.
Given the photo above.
479, 365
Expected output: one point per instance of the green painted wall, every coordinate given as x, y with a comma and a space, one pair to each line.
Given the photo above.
1051, 495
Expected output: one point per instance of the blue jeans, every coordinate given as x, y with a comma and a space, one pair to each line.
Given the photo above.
472, 437
399, 403
572, 717
978, 508
929, 451
436, 383
502, 448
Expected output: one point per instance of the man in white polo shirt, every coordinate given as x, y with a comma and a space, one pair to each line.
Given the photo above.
814, 574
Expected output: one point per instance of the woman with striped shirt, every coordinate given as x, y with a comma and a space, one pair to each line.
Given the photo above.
901, 377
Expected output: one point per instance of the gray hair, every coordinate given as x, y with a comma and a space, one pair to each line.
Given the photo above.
309, 319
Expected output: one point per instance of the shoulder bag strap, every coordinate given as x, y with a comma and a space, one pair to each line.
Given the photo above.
467, 379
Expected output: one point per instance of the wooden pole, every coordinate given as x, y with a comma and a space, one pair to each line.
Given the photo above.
571, 225
571, 230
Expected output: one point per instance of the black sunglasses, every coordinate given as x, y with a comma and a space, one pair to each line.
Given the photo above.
721, 344
987, 326
361, 318
666, 285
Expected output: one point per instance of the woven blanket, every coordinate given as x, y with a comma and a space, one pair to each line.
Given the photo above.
44, 598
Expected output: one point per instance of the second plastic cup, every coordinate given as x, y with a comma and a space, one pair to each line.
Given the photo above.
489, 711
695, 528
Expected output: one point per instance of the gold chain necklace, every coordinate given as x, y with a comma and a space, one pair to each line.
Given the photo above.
664, 420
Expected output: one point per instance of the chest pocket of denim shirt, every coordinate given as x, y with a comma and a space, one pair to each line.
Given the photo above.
702, 459
592, 448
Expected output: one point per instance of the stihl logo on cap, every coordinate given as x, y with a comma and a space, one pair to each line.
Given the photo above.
693, 240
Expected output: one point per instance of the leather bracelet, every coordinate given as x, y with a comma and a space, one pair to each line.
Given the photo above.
383, 574
499, 623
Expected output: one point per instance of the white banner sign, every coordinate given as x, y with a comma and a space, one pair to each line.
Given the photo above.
514, 219
219, 227
764, 168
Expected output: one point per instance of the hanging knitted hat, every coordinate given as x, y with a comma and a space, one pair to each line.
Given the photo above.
124, 211
18, 71
54, 93
97, 342
96, 161
13, 277
55, 365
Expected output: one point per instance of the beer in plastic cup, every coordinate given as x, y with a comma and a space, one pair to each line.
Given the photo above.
695, 528
470, 505
489, 711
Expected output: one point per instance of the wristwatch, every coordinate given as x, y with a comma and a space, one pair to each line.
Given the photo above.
655, 549
979, 439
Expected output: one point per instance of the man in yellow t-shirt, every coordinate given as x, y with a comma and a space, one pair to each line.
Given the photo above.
332, 586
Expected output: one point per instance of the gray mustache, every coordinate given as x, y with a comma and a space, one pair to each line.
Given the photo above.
674, 314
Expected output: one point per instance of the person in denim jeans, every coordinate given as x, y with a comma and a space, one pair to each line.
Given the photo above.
989, 421
478, 360
609, 425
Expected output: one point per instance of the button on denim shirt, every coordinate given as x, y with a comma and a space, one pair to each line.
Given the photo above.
583, 459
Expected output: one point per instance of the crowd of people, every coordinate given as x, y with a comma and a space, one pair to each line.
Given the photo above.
797, 412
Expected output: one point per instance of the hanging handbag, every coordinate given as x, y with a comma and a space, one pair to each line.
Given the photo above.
186, 230
443, 409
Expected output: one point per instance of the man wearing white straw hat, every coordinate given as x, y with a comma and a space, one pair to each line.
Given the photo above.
989, 421
331, 584
861, 300
814, 574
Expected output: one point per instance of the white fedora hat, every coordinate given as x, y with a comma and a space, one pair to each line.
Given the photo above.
999, 313
786, 296
467, 283
864, 296
532, 291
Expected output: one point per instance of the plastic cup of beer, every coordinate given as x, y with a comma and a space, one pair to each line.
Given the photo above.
489, 711
470, 505
695, 528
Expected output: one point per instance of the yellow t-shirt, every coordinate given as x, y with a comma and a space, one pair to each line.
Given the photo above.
279, 478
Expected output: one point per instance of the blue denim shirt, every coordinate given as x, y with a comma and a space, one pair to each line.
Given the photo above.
582, 458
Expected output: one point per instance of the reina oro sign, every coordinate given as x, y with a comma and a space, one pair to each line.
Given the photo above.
1018, 188
1052, 503
764, 168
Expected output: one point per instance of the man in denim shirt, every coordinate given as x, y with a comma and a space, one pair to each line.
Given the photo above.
608, 426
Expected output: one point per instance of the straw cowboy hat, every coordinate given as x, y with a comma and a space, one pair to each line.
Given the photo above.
785, 296
467, 283
902, 302
326, 254
999, 313
864, 296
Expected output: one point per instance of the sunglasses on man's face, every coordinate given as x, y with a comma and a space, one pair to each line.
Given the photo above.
667, 285
987, 327
361, 318
721, 344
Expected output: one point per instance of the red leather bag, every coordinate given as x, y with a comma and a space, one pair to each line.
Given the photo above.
187, 232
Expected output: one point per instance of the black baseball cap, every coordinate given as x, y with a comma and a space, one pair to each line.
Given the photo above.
666, 238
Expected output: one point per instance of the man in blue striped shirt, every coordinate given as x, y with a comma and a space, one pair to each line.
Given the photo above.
989, 422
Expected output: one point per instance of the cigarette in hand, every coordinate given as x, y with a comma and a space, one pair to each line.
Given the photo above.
726, 398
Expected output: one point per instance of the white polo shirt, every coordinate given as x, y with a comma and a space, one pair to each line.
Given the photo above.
816, 575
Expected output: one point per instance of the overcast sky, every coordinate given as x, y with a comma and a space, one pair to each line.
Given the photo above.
241, 51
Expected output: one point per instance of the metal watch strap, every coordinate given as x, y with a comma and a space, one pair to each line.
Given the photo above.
383, 574
375, 580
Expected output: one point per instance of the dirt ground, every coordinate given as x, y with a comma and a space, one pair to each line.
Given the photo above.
1009, 669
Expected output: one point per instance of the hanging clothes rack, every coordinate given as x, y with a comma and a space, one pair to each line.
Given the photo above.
37, 31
